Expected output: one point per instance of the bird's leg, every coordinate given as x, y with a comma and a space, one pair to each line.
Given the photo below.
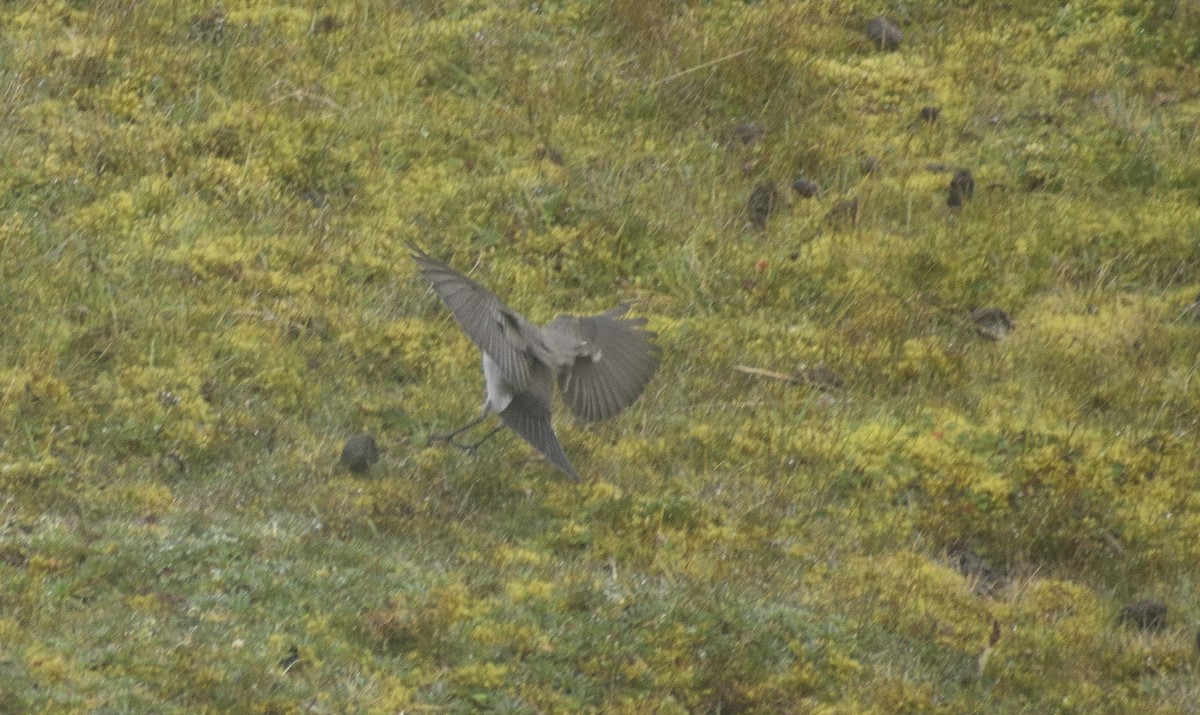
475, 445
449, 436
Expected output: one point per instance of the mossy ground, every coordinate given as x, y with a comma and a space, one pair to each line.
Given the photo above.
204, 290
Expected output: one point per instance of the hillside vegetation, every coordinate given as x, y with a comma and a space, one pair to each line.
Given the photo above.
984, 450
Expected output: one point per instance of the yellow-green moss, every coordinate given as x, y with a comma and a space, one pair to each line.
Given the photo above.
205, 289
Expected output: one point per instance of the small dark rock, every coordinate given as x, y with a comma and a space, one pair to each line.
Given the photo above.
209, 25
1034, 179
311, 326
884, 34
13, 556
746, 133
92, 70
1148, 614
360, 453
992, 323
843, 213
316, 198
822, 378
962, 187
805, 188
930, 114
291, 659
971, 565
968, 563
762, 203
326, 23
550, 154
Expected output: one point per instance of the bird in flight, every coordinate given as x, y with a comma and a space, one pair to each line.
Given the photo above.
602, 363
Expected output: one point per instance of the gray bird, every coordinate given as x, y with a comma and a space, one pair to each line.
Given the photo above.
601, 362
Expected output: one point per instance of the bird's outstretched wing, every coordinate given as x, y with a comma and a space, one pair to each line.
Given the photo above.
529, 416
614, 359
498, 330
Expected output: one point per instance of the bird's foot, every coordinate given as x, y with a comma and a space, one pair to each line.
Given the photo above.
449, 436
439, 437
451, 439
470, 448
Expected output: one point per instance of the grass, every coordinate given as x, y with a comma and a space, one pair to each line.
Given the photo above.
205, 291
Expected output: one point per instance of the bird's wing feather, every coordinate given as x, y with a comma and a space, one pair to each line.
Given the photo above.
529, 416
614, 359
496, 329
